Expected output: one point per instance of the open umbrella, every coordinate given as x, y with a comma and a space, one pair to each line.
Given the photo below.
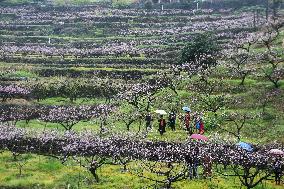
198, 137
186, 108
162, 112
276, 152
245, 146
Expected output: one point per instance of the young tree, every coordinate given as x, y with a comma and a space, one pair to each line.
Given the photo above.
273, 71
92, 164
240, 60
68, 116
266, 97
140, 97
208, 96
239, 120
166, 173
13, 91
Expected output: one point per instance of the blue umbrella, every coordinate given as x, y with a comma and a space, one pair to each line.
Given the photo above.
245, 146
186, 108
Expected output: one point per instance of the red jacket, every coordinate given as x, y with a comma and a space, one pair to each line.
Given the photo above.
162, 123
187, 120
201, 128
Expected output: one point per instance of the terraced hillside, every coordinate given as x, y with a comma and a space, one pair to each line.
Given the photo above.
78, 81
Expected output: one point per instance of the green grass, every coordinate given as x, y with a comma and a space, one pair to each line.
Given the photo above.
40, 125
17, 1
46, 172
21, 73
114, 69
64, 101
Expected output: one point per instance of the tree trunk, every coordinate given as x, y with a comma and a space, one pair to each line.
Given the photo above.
244, 75
169, 185
276, 84
20, 170
267, 10
93, 171
101, 127
239, 137
254, 20
243, 80
125, 167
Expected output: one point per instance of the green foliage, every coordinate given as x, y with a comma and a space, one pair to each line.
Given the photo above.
202, 51
16, 1
21, 73
121, 3
148, 4
211, 122
49, 165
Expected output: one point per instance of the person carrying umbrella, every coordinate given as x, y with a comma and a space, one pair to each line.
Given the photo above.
162, 125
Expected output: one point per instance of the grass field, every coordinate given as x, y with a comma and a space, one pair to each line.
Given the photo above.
44, 172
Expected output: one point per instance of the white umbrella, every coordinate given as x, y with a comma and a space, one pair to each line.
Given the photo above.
276, 152
186, 108
162, 112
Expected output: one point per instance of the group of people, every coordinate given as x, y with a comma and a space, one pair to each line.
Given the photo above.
193, 162
192, 123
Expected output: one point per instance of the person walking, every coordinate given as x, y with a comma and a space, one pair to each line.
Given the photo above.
187, 122
162, 125
192, 162
207, 166
201, 128
148, 120
172, 120
199, 125
278, 169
